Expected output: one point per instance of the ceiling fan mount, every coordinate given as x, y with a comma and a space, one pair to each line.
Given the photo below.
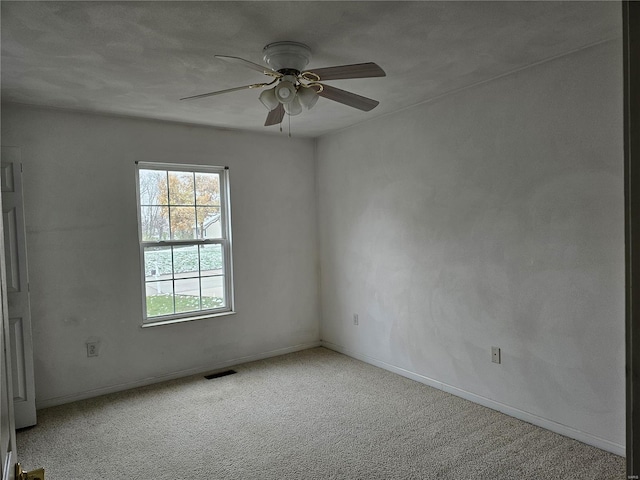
289, 56
295, 87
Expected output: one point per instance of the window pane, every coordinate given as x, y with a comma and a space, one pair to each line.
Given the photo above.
209, 222
157, 263
153, 187
185, 262
213, 292
207, 189
186, 210
181, 191
183, 222
159, 298
211, 260
187, 295
154, 221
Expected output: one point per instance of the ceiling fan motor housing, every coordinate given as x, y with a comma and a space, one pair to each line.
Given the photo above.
287, 56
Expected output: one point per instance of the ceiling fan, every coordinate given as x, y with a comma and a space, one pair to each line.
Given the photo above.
296, 88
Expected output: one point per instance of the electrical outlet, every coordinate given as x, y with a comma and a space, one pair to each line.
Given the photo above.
495, 355
92, 349
355, 319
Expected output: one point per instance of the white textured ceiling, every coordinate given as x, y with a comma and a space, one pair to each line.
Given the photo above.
139, 58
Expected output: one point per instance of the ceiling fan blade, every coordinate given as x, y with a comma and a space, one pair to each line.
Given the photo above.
359, 70
348, 98
254, 66
228, 90
275, 116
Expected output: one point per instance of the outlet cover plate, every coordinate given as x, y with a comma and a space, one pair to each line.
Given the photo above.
92, 349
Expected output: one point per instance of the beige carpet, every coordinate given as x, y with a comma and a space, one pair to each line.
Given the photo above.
314, 414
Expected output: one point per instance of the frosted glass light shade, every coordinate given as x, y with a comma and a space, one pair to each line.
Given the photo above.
308, 97
285, 92
293, 107
268, 99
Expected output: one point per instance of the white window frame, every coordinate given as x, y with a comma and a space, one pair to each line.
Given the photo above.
225, 242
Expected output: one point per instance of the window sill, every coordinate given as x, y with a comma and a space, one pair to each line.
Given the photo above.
172, 321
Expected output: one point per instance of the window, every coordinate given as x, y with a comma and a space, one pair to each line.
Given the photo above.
185, 241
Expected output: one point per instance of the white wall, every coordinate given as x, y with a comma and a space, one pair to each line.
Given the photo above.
489, 217
80, 207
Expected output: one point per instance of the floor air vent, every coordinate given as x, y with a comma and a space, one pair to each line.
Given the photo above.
219, 374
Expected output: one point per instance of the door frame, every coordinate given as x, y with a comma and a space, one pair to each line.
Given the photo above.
9, 456
17, 287
631, 60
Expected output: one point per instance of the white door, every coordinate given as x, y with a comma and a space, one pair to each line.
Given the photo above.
17, 287
7, 426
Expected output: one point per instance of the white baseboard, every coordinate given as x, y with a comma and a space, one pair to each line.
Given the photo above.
51, 402
486, 402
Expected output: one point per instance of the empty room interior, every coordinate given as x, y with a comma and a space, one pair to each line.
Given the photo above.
448, 208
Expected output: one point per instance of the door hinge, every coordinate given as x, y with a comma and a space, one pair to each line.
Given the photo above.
30, 475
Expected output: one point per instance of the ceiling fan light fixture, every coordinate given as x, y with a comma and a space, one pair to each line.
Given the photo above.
308, 97
293, 107
285, 91
268, 98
